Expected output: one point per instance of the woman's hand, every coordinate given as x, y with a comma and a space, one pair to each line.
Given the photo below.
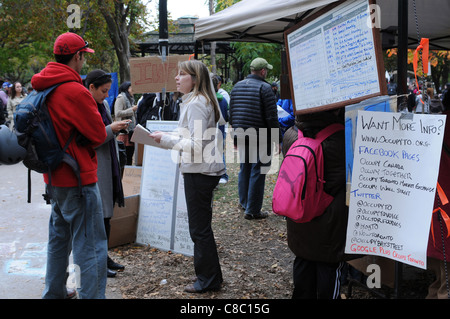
156, 136
120, 125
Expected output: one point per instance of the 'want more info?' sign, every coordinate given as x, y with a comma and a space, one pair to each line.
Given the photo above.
394, 179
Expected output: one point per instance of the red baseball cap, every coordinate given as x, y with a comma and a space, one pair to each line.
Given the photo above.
70, 43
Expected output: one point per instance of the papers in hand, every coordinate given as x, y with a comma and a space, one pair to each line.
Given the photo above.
141, 135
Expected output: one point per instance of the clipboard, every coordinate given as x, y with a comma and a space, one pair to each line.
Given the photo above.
141, 136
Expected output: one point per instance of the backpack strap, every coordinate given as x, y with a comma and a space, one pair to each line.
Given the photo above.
325, 132
320, 137
69, 160
299, 132
328, 131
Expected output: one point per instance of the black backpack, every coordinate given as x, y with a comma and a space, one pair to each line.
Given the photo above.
148, 109
392, 88
171, 111
36, 133
3, 113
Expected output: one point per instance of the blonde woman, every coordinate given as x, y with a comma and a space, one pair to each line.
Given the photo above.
201, 164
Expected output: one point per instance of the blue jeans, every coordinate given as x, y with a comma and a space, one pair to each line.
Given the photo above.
76, 224
251, 182
251, 187
225, 175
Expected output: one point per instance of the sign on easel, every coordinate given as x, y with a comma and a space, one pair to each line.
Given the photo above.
335, 58
163, 221
394, 179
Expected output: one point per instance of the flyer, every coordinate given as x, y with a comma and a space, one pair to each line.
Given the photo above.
395, 169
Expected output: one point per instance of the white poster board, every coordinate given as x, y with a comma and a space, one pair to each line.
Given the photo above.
334, 58
395, 170
162, 221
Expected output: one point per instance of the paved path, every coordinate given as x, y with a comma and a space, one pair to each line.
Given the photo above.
23, 236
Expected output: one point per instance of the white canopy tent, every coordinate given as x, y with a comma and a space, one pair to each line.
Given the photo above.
403, 23
266, 20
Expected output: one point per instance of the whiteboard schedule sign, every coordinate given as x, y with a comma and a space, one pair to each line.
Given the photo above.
163, 221
394, 179
334, 58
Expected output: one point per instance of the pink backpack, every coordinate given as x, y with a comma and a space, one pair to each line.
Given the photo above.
298, 192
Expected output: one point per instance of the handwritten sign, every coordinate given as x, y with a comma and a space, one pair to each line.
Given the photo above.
163, 219
152, 75
182, 238
378, 104
333, 58
395, 169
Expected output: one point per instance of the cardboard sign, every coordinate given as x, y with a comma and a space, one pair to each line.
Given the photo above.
394, 179
152, 75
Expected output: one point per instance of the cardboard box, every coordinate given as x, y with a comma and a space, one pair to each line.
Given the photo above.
131, 180
139, 154
124, 222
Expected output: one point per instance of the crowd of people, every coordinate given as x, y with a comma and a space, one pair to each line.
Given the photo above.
424, 100
11, 94
80, 225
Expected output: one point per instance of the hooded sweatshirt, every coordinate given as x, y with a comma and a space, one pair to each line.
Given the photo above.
72, 108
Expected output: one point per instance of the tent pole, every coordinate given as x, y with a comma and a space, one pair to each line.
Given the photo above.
402, 54
402, 88
163, 39
163, 29
196, 49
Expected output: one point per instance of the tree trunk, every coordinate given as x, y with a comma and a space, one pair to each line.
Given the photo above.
118, 32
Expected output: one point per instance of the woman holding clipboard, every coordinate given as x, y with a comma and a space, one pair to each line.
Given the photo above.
201, 165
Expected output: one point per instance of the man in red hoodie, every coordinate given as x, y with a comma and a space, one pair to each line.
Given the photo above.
76, 222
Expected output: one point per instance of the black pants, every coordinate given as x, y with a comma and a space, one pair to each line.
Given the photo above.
107, 226
199, 194
316, 280
130, 153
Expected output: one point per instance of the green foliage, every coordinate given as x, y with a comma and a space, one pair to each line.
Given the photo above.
223, 4
247, 51
28, 30
227, 86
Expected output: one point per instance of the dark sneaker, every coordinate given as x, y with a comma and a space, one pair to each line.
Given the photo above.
260, 215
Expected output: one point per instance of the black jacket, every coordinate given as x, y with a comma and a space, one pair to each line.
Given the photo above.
323, 238
253, 104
